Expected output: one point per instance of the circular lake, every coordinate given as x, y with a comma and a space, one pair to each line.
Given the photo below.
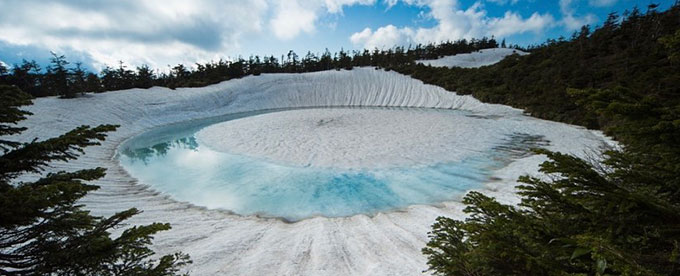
299, 163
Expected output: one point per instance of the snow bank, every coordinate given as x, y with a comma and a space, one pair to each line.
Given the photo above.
473, 60
224, 243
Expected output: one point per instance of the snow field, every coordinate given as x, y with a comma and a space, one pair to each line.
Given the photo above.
224, 243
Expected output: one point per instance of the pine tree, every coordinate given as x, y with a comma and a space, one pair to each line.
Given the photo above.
57, 75
93, 83
3, 71
587, 220
43, 230
144, 77
27, 76
77, 82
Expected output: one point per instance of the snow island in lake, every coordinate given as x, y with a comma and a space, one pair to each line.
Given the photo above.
327, 173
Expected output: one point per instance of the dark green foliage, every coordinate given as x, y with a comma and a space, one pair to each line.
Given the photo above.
583, 222
78, 82
28, 78
144, 77
620, 216
42, 228
11, 98
672, 44
4, 71
648, 125
57, 76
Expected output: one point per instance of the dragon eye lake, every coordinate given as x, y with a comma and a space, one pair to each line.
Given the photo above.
320, 173
333, 162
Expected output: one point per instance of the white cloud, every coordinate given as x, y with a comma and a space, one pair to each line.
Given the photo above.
572, 22
565, 6
158, 32
291, 19
363, 36
503, 2
335, 6
153, 32
602, 3
162, 32
383, 37
390, 3
453, 23
512, 23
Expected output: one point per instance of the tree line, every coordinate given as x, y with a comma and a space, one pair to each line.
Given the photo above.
59, 78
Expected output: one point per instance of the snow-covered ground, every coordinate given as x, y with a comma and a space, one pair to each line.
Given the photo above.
473, 60
223, 243
374, 138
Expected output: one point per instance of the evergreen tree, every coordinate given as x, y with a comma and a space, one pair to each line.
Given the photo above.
589, 220
292, 62
144, 77
3, 71
126, 77
326, 60
43, 231
93, 83
109, 79
78, 81
57, 76
28, 78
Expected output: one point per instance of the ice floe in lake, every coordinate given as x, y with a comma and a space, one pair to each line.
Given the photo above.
353, 138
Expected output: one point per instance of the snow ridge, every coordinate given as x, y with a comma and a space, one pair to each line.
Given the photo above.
473, 60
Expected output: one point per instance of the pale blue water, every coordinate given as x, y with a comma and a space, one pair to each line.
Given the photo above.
171, 161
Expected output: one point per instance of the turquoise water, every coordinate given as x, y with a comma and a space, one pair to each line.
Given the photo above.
171, 161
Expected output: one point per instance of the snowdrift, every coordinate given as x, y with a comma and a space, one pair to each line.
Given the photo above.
473, 60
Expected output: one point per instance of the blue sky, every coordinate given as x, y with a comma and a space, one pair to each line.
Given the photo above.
164, 32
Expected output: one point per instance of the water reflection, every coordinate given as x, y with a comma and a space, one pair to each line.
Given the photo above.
160, 149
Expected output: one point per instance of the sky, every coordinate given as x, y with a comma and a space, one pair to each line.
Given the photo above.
160, 33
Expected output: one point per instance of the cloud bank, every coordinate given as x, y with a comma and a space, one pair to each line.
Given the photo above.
167, 32
453, 23
157, 32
